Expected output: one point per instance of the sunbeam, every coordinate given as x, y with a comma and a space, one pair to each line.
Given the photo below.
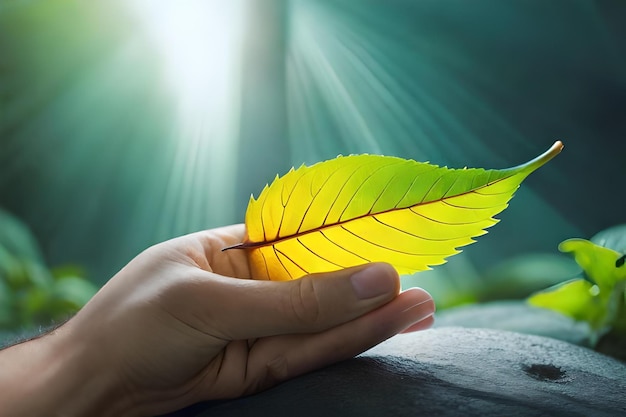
200, 43
386, 89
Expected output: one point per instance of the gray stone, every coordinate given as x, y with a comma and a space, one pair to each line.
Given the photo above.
448, 372
517, 316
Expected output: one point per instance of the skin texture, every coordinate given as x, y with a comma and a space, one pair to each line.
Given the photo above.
175, 327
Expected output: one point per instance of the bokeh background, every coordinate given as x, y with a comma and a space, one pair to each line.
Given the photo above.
124, 123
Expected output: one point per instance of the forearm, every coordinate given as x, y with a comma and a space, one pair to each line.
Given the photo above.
55, 375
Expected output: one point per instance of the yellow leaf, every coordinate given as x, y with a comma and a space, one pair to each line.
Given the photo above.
358, 209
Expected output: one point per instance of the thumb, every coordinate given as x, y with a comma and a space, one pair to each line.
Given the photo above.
251, 309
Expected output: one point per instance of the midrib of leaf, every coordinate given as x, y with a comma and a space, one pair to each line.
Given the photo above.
251, 245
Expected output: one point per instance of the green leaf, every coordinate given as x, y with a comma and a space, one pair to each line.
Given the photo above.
357, 209
600, 302
72, 292
578, 299
599, 263
17, 239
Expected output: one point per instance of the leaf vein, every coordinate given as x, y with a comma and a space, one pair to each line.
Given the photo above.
447, 203
267, 270
407, 191
430, 189
317, 193
447, 223
391, 249
445, 195
294, 262
276, 251
409, 233
335, 199
359, 188
318, 255
343, 248
382, 192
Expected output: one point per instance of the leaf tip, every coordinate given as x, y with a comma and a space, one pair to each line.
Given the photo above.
558, 145
570, 245
539, 161
542, 159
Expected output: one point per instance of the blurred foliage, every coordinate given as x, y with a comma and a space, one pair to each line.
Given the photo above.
31, 294
514, 278
598, 298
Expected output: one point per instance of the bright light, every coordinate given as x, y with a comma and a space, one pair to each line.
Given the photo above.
200, 43
199, 40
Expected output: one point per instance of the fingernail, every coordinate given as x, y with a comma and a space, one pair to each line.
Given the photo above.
373, 281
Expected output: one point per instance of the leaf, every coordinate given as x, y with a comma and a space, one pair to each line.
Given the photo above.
599, 263
596, 300
17, 239
357, 209
578, 299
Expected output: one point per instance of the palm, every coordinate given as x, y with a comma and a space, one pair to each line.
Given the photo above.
230, 263
209, 363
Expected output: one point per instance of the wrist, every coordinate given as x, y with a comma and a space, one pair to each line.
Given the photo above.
59, 374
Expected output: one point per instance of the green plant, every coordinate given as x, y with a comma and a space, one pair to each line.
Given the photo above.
31, 294
598, 297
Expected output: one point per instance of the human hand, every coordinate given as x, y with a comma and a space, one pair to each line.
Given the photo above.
175, 327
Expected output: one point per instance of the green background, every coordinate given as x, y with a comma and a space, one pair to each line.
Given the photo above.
104, 151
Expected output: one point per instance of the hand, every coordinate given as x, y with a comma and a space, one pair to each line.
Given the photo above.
175, 327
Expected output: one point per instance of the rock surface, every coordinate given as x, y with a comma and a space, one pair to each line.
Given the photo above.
516, 316
448, 371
